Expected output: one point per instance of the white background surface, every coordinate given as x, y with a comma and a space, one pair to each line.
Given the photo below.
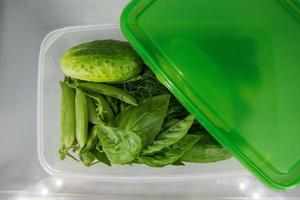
23, 24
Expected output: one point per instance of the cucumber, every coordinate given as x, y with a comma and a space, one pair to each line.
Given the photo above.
101, 61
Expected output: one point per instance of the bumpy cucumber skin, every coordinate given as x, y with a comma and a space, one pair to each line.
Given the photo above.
101, 61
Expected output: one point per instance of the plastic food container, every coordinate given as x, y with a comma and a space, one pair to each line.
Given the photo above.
52, 48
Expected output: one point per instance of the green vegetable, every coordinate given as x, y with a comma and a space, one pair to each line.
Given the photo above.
101, 61
171, 122
90, 153
67, 139
92, 138
178, 163
121, 146
87, 158
146, 119
103, 123
146, 86
103, 108
122, 107
108, 90
129, 80
81, 111
206, 150
92, 113
100, 156
149, 86
170, 136
171, 154
113, 104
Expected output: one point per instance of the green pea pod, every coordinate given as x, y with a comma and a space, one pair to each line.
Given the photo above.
170, 136
113, 104
122, 107
85, 155
92, 113
108, 90
67, 119
92, 139
81, 111
99, 106
87, 158
171, 154
99, 145
137, 78
103, 109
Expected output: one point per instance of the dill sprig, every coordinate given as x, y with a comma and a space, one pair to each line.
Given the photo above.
147, 86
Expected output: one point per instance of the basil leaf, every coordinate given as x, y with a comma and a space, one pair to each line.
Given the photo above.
206, 150
145, 119
178, 163
120, 146
168, 123
170, 136
100, 156
171, 154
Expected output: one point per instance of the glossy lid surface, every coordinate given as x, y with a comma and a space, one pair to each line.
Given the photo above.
235, 65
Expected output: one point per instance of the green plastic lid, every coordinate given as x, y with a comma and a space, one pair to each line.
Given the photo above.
236, 66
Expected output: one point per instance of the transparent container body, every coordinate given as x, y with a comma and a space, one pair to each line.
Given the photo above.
52, 48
